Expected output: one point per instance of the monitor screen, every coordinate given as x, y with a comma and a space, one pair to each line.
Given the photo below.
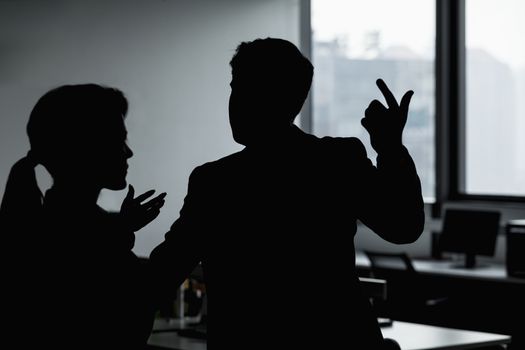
470, 231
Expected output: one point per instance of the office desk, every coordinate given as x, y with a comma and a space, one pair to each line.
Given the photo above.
410, 336
483, 299
444, 268
171, 340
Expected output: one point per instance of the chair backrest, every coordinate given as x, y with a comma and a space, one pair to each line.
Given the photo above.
389, 261
374, 288
397, 269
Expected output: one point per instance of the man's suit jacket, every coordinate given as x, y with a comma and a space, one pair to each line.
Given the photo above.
273, 228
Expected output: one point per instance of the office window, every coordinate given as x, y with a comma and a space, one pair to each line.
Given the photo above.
354, 42
494, 130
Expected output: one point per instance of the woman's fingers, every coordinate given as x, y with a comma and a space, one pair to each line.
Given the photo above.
143, 196
155, 201
130, 194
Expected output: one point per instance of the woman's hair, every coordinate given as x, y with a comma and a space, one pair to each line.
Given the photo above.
69, 118
63, 121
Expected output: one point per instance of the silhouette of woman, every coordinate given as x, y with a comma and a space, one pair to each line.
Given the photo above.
70, 269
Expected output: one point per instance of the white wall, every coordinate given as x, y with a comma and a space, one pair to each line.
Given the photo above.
171, 59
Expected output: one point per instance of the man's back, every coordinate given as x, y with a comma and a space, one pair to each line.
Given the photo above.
275, 236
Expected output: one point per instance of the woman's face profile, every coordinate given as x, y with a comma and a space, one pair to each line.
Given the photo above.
114, 157
105, 159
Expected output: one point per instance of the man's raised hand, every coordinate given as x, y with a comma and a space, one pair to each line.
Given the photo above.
385, 125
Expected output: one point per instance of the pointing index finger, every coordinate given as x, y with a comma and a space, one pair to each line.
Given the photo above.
389, 97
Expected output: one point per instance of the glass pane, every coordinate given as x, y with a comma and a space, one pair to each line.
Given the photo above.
495, 97
354, 43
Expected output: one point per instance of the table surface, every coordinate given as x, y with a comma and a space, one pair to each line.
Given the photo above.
487, 271
410, 336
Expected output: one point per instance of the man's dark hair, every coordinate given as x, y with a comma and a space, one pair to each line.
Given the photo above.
277, 68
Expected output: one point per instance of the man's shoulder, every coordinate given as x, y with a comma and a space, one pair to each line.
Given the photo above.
349, 141
347, 145
220, 164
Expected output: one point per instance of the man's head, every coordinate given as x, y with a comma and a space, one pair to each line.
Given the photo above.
270, 81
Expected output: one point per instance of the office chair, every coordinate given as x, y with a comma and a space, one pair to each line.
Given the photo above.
408, 297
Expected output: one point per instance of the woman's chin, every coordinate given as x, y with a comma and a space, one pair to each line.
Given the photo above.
117, 185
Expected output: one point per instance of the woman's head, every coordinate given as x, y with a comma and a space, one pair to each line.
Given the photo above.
77, 133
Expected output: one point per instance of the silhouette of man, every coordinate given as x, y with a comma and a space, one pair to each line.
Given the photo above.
274, 222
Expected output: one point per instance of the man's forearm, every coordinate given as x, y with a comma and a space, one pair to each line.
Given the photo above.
401, 200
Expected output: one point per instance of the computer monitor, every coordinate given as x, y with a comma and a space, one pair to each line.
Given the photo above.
470, 232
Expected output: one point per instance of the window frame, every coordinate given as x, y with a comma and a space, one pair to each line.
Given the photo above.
450, 111
451, 102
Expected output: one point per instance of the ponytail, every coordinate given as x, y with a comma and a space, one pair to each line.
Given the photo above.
22, 202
